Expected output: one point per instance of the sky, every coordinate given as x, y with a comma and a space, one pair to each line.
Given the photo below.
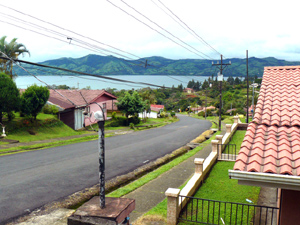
264, 28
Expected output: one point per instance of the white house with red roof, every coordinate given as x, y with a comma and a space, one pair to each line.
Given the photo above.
270, 152
72, 104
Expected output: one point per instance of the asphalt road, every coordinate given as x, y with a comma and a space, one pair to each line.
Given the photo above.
30, 180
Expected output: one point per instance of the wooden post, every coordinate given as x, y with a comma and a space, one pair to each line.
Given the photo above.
172, 207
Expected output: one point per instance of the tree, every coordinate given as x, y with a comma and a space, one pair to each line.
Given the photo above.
9, 95
131, 104
33, 100
13, 50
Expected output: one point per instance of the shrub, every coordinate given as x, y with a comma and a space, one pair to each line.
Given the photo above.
50, 109
202, 113
134, 120
173, 113
131, 125
114, 115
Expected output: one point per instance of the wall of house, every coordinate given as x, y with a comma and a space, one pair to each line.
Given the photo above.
289, 207
94, 108
68, 118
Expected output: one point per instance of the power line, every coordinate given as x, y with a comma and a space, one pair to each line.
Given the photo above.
83, 73
163, 28
14, 61
91, 46
199, 37
153, 28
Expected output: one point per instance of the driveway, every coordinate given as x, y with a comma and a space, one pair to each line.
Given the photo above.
30, 180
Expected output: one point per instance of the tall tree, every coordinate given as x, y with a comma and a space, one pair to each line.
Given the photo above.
131, 104
33, 100
9, 95
13, 50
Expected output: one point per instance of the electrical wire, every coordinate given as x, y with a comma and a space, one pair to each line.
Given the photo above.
163, 29
14, 61
83, 73
153, 29
199, 37
63, 35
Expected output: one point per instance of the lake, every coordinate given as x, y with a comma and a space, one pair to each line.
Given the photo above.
98, 83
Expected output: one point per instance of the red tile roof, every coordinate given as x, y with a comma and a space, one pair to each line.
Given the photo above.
272, 141
77, 97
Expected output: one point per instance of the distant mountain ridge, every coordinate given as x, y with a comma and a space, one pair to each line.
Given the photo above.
156, 65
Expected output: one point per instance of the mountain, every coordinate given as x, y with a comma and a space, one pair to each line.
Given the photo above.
109, 65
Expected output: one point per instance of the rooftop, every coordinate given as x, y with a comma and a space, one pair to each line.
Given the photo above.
272, 142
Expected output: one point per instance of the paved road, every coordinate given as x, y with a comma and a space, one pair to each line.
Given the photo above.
30, 180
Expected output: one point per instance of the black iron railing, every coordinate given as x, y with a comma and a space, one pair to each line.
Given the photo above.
205, 211
228, 152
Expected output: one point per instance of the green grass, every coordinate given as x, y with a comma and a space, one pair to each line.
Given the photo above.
237, 139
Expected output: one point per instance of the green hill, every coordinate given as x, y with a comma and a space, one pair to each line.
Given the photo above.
109, 65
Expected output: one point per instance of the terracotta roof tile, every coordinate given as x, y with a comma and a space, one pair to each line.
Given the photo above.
272, 140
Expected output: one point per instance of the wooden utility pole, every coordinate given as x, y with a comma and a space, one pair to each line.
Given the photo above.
220, 78
247, 118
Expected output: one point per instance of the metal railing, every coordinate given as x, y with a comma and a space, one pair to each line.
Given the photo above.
229, 152
205, 211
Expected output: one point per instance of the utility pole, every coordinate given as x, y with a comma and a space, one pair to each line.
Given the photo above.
247, 118
220, 78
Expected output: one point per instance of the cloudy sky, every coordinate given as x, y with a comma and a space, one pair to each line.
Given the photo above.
265, 28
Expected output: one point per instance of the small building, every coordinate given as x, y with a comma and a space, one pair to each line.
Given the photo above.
155, 110
270, 152
188, 90
72, 104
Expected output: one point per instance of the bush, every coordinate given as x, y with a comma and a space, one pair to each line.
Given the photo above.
50, 109
113, 115
202, 113
134, 120
131, 125
173, 113
163, 115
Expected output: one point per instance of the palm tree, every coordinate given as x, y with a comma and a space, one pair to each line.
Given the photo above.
13, 50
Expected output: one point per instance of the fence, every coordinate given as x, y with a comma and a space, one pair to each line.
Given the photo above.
227, 151
206, 211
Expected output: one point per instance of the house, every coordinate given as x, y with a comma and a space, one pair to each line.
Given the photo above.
155, 110
188, 90
270, 152
72, 104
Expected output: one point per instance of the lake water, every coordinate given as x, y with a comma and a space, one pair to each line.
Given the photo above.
98, 83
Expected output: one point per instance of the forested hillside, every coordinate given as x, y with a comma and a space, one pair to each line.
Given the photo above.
109, 65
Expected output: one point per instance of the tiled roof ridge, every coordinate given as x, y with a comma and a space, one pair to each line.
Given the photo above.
281, 67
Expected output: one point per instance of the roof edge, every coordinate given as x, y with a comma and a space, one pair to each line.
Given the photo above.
266, 179
281, 67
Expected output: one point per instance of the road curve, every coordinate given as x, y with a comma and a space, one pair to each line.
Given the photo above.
29, 180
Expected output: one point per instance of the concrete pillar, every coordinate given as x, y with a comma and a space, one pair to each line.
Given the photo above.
219, 148
236, 119
214, 144
228, 128
172, 207
199, 165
